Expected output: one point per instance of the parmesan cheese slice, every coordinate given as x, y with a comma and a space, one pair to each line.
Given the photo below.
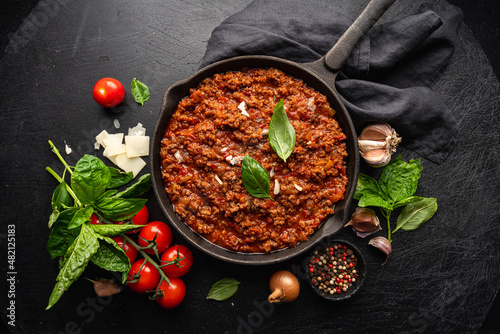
113, 139
114, 149
134, 165
137, 146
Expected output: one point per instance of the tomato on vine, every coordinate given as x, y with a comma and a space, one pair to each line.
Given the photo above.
142, 277
173, 294
108, 92
176, 261
157, 232
129, 250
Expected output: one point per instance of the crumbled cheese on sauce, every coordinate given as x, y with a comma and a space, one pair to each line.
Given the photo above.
299, 188
265, 132
242, 106
178, 156
310, 104
235, 160
271, 173
218, 179
276, 187
224, 149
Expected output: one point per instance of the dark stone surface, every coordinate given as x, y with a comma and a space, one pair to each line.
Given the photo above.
441, 278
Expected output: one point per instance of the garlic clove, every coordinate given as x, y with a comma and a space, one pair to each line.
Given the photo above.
365, 222
377, 158
377, 131
366, 146
383, 244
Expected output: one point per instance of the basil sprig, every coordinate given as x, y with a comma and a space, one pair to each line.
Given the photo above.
395, 188
255, 178
281, 133
140, 91
223, 289
73, 239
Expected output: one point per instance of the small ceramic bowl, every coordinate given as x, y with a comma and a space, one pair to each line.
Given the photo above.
336, 270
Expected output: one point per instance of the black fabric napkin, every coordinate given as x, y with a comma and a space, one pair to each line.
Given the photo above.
387, 77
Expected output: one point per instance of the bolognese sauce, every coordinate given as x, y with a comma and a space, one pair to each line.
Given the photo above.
225, 118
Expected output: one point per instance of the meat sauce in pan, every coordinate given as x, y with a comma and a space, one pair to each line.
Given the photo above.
207, 138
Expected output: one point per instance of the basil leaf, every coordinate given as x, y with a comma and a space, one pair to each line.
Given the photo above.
367, 184
114, 229
255, 178
372, 199
140, 91
399, 179
110, 256
74, 262
116, 209
90, 178
281, 133
406, 201
81, 216
137, 189
60, 236
223, 289
119, 178
61, 198
415, 214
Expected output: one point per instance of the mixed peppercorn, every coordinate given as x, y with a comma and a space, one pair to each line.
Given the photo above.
333, 270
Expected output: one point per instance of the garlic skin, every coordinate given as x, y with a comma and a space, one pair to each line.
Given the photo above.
383, 244
377, 143
365, 222
105, 287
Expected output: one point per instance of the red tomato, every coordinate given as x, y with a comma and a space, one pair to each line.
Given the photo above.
163, 235
95, 220
141, 218
173, 294
179, 267
129, 250
149, 276
108, 92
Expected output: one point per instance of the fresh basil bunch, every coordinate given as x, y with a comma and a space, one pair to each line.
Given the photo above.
73, 239
395, 188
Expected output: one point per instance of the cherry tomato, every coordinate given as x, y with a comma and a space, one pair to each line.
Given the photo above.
129, 250
95, 220
108, 92
141, 218
163, 235
173, 294
149, 276
179, 268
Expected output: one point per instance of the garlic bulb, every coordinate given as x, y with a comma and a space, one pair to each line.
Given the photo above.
377, 143
365, 222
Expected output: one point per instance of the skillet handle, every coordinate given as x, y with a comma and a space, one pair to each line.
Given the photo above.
338, 54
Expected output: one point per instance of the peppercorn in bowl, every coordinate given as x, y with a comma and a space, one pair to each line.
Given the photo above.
336, 270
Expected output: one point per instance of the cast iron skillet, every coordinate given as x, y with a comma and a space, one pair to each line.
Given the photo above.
319, 75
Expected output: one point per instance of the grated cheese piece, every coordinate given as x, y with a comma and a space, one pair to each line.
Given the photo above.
67, 148
237, 160
116, 123
218, 179
242, 108
224, 149
265, 132
137, 146
276, 187
229, 158
271, 173
137, 130
299, 188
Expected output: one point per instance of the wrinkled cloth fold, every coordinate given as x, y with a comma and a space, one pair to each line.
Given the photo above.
387, 77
